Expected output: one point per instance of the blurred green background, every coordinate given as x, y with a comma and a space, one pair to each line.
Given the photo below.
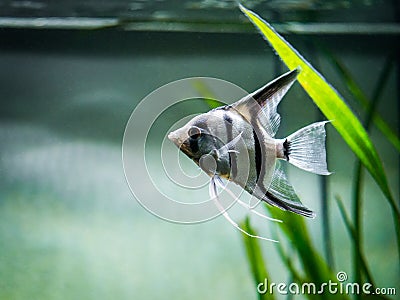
69, 226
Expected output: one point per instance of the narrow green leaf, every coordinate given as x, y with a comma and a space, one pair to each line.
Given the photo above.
287, 260
330, 103
359, 170
296, 231
315, 268
255, 258
207, 94
362, 99
351, 230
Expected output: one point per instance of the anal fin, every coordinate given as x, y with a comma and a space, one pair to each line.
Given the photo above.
281, 194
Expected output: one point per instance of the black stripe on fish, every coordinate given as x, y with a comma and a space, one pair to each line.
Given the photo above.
257, 155
194, 145
286, 149
203, 124
228, 119
260, 171
229, 135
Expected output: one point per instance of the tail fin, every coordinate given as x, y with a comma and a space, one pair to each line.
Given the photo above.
306, 148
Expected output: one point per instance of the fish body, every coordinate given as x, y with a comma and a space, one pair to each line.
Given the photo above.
236, 142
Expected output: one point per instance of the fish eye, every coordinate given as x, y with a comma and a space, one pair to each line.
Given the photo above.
194, 132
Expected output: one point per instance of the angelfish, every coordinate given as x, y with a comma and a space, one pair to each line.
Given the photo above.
236, 142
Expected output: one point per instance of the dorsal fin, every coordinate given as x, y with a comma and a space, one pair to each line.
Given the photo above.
261, 105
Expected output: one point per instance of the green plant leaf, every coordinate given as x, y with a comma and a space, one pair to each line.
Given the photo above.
352, 232
255, 258
315, 268
361, 98
350, 228
207, 94
330, 103
295, 229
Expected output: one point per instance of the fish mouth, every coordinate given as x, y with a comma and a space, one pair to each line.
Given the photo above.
183, 145
174, 137
171, 136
